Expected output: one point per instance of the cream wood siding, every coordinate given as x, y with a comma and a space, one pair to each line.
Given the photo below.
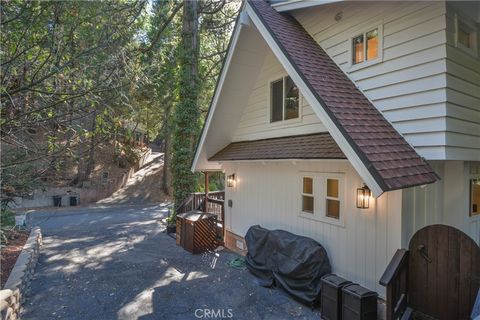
463, 94
255, 120
268, 194
444, 202
236, 82
409, 85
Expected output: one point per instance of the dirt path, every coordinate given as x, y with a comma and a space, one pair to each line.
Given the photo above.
143, 187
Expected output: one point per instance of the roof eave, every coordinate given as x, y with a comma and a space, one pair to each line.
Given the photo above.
218, 88
300, 4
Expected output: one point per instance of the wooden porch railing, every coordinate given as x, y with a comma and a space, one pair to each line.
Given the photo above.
196, 201
395, 279
215, 204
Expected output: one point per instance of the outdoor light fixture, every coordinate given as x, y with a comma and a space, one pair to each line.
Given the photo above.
231, 180
363, 197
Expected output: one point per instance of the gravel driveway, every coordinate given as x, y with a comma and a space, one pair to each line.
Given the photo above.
117, 263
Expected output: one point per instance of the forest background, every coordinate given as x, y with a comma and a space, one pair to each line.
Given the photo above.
79, 77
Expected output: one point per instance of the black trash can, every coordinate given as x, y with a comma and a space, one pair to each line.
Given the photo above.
57, 201
73, 201
331, 296
359, 303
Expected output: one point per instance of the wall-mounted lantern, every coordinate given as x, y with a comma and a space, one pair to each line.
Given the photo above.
231, 180
363, 197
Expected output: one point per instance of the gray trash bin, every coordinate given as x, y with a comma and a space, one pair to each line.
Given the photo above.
57, 201
73, 201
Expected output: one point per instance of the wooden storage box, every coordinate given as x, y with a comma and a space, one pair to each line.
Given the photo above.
331, 296
178, 231
359, 303
197, 231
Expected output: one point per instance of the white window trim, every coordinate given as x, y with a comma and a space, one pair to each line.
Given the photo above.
473, 29
327, 197
469, 191
365, 63
269, 106
471, 176
308, 195
320, 197
471, 171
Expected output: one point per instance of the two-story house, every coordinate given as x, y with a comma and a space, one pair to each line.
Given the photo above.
353, 123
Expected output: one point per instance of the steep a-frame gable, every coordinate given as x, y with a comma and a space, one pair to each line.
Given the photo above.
375, 149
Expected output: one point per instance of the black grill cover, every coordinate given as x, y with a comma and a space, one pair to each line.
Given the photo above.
293, 263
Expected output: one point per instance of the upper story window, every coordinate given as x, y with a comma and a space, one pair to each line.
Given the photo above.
465, 36
284, 100
365, 47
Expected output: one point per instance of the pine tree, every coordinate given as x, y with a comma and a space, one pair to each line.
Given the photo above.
187, 112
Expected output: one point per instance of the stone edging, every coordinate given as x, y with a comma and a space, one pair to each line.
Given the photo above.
18, 282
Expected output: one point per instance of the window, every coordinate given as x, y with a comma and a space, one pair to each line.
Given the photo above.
358, 49
365, 47
465, 36
284, 100
307, 195
321, 197
474, 197
333, 200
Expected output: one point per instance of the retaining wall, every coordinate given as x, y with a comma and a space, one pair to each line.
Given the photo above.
44, 198
12, 295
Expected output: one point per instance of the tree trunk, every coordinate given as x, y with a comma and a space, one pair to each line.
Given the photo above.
83, 164
166, 165
91, 151
187, 113
167, 134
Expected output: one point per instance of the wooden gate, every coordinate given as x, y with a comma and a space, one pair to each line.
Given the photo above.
443, 272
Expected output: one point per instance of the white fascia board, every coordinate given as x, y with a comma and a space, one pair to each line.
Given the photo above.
300, 4
233, 45
351, 155
282, 160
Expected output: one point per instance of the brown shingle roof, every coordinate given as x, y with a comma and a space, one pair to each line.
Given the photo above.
312, 146
392, 162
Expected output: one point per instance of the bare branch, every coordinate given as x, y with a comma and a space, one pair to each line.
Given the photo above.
218, 53
216, 9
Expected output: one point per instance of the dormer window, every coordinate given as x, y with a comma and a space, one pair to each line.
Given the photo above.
365, 47
284, 101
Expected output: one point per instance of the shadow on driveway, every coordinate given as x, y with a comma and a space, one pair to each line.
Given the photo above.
117, 263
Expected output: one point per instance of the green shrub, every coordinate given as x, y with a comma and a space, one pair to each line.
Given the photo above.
171, 219
7, 223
